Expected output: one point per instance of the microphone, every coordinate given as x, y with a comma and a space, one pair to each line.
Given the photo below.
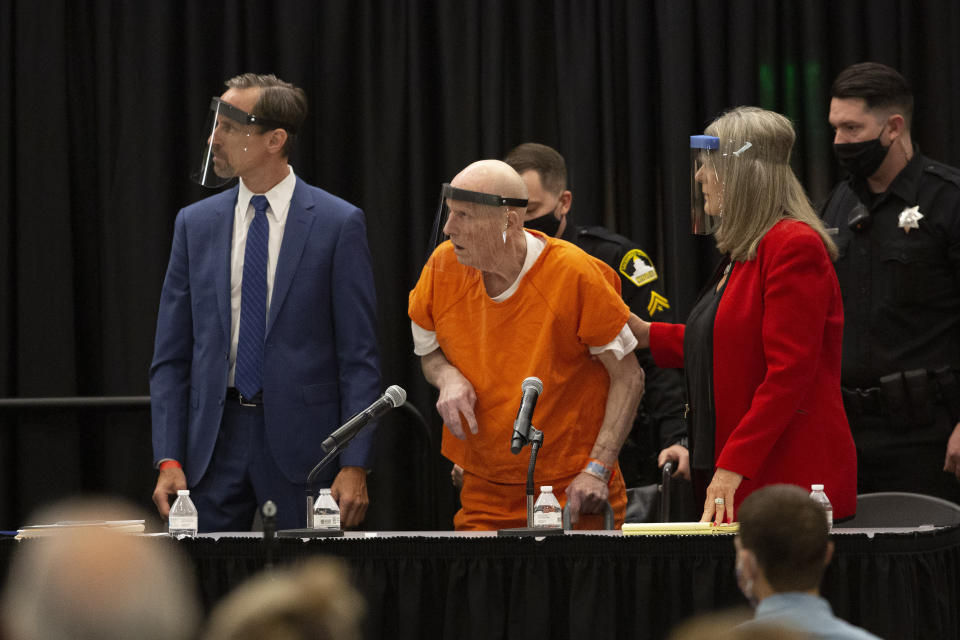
531, 387
393, 397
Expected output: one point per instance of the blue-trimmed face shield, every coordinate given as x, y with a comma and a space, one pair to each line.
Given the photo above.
710, 158
706, 189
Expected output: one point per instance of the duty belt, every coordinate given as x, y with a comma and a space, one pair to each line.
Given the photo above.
868, 402
907, 396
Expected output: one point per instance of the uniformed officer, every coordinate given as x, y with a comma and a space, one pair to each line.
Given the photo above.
897, 219
659, 421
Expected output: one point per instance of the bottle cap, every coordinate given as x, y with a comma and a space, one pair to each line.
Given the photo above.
183, 492
546, 488
817, 487
324, 491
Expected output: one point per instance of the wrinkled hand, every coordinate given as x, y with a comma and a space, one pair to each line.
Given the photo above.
586, 494
457, 397
723, 485
680, 456
170, 480
952, 462
456, 476
349, 489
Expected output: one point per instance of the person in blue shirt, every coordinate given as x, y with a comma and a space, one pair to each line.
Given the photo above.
783, 548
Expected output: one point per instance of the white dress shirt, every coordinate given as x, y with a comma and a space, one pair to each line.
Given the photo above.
279, 199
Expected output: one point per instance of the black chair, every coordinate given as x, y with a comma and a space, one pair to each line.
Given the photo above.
669, 501
900, 509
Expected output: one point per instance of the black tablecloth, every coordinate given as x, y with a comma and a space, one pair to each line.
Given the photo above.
582, 586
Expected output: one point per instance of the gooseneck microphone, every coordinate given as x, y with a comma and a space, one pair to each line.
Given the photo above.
393, 397
531, 388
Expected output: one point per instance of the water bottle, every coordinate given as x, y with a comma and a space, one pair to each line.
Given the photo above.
821, 497
183, 516
546, 510
326, 513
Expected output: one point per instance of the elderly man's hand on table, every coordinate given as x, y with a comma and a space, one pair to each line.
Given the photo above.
586, 494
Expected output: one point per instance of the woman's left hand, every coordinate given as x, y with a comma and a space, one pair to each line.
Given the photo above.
719, 504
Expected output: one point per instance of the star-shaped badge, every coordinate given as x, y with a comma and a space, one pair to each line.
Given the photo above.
910, 218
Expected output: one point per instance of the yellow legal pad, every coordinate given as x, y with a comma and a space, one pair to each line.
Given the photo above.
678, 528
115, 526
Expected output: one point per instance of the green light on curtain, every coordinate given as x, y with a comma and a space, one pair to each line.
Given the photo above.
767, 86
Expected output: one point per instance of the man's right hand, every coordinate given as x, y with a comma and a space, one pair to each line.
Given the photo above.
456, 476
457, 396
680, 456
170, 480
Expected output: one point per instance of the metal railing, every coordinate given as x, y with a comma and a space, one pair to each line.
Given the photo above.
76, 402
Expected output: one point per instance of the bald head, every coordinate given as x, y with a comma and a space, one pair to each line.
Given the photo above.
491, 176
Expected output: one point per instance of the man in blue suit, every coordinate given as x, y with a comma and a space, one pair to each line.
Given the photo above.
258, 360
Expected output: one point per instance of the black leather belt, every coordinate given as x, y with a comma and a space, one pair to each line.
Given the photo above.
234, 395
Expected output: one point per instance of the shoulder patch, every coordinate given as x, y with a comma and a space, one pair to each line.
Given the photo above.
637, 268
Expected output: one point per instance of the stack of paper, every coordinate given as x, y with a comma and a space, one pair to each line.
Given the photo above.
677, 528
117, 526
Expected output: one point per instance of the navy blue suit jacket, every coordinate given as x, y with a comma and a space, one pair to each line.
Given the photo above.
320, 363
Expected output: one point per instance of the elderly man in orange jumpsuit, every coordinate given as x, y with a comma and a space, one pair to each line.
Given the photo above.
495, 304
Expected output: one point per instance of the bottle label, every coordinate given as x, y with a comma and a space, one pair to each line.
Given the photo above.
326, 521
548, 517
181, 523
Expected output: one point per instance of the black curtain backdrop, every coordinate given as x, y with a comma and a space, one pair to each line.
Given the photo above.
102, 103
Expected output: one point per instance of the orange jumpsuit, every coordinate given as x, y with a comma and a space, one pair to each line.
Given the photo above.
566, 303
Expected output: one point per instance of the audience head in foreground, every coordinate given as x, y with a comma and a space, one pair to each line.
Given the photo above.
92, 583
312, 601
727, 625
783, 549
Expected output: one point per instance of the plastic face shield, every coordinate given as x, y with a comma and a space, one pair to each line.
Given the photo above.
475, 223
705, 185
227, 130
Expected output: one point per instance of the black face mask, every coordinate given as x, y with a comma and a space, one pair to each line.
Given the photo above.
861, 159
547, 224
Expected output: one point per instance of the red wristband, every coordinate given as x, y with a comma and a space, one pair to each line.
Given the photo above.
167, 464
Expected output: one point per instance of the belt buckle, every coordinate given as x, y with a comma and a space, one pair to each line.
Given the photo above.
244, 403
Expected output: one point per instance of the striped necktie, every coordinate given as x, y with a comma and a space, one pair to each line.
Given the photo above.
253, 303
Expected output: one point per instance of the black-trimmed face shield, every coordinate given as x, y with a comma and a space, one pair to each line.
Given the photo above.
475, 223
227, 130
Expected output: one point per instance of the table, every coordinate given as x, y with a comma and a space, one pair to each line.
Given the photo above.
896, 583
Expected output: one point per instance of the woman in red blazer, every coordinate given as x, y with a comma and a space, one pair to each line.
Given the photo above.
761, 348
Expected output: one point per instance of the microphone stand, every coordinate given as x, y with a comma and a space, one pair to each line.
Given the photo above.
535, 438
309, 531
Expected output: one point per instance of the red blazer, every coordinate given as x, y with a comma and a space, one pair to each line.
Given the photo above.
776, 370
